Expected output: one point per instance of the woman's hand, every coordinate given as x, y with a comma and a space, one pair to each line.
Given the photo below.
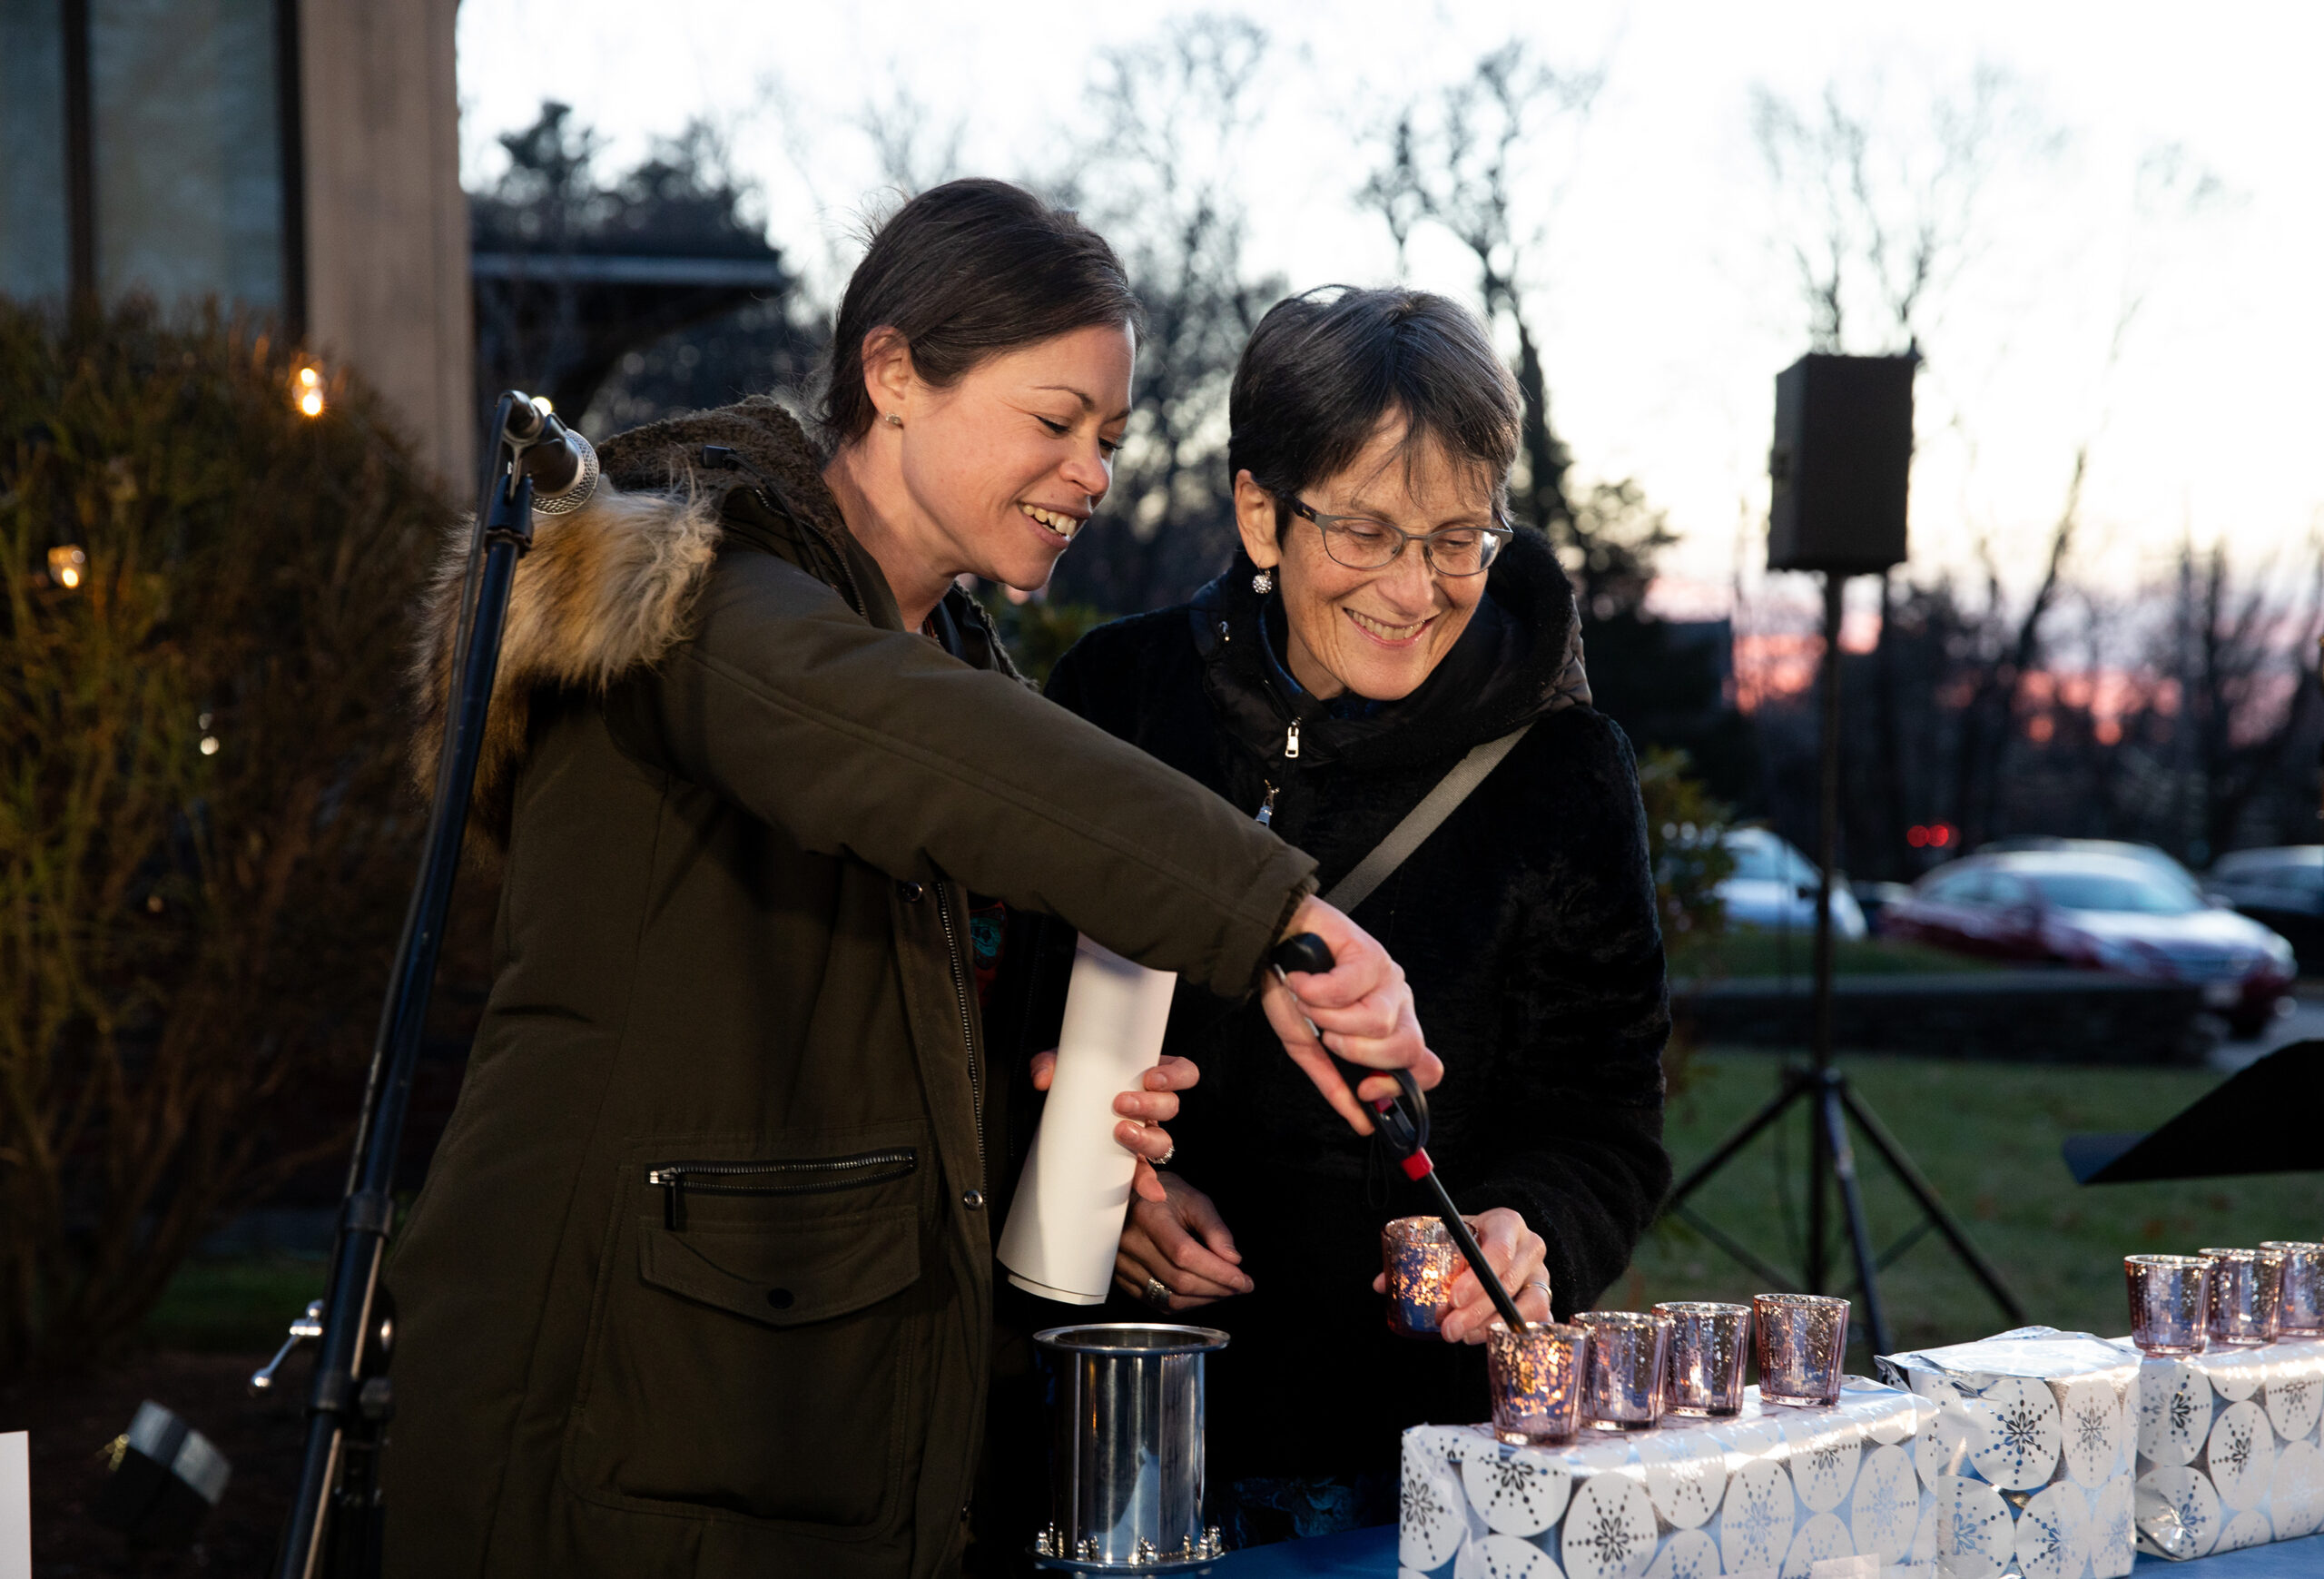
1182, 1243
1360, 1006
1143, 1112
1516, 1255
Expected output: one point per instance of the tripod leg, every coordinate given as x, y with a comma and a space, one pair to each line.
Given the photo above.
1946, 1224
1836, 1140
1793, 1084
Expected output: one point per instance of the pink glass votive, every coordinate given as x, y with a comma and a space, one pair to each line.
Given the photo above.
2245, 1288
1421, 1260
1707, 1346
2299, 1310
1534, 1378
1802, 1339
2169, 1303
1622, 1381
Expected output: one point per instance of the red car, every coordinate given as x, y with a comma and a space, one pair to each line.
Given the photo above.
2105, 912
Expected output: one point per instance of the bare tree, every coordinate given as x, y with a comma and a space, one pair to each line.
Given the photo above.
1158, 173
1454, 162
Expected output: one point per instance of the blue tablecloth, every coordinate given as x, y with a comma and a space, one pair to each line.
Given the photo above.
1372, 1555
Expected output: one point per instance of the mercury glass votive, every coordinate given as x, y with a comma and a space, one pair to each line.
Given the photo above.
1622, 1381
2245, 1287
1801, 1339
1707, 1348
1534, 1378
1421, 1260
2300, 1309
2169, 1303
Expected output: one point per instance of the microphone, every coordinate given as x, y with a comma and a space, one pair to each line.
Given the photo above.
562, 464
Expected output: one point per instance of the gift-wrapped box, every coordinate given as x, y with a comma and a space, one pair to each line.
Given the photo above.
2228, 1448
2029, 1459
1769, 1492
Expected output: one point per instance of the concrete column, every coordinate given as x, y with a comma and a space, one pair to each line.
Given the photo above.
388, 288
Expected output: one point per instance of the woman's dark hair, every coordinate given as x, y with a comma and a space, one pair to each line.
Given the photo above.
964, 272
1326, 367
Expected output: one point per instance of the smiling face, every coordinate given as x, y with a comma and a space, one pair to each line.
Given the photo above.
995, 474
1375, 633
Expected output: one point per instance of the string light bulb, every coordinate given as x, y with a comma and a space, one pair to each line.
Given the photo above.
67, 565
310, 391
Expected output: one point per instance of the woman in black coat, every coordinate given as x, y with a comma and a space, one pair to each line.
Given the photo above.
1382, 621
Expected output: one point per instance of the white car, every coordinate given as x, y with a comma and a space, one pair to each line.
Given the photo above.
1774, 888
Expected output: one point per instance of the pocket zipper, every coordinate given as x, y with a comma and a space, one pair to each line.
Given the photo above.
814, 1176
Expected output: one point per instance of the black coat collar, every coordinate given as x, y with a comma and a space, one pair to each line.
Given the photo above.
1511, 665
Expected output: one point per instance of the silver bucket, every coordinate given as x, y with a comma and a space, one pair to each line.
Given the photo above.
1126, 1448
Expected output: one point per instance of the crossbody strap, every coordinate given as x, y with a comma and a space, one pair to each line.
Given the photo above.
1420, 822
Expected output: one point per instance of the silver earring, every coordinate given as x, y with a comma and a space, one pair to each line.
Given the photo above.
891, 420
1263, 583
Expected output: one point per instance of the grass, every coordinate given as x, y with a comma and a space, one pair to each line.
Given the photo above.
1755, 952
239, 1303
1987, 1137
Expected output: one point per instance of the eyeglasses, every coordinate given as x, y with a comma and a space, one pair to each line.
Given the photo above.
1366, 543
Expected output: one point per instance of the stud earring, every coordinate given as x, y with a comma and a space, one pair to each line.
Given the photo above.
1263, 583
891, 420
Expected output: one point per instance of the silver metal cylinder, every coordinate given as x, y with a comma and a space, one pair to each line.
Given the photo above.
1126, 1455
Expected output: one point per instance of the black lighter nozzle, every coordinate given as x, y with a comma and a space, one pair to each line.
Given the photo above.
1302, 952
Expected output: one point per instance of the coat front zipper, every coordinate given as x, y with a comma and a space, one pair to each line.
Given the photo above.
1291, 739
812, 1176
1266, 819
967, 1026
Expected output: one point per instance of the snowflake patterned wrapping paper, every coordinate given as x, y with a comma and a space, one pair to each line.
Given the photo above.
1769, 1493
2229, 1449
2029, 1460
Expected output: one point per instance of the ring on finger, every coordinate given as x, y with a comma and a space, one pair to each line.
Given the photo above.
1163, 1160
1158, 1293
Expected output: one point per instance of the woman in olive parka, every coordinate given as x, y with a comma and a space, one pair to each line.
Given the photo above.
700, 1280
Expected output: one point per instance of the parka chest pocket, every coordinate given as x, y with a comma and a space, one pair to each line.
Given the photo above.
755, 1353
787, 1269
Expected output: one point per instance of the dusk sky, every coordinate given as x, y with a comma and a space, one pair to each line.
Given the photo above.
1661, 286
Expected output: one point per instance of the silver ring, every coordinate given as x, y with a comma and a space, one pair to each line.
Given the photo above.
1163, 1160
1158, 1293
1542, 1284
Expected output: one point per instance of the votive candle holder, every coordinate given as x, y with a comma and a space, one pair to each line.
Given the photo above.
1802, 1339
2169, 1303
2300, 1306
2246, 1285
1622, 1382
1534, 1378
1708, 1344
1421, 1260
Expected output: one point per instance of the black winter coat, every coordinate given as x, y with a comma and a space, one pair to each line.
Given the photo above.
1527, 926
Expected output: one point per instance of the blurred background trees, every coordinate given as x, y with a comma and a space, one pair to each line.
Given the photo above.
205, 837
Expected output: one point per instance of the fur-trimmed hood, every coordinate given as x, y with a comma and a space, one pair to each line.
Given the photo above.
610, 587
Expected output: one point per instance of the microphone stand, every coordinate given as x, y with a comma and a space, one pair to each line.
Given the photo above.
335, 1523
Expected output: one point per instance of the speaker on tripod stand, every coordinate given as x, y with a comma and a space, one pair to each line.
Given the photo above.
1841, 466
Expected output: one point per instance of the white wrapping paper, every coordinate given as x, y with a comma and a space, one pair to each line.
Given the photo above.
1060, 1240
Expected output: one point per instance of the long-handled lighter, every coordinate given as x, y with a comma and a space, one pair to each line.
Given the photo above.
1403, 1123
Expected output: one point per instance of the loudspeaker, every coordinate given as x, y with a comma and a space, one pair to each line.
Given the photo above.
1842, 456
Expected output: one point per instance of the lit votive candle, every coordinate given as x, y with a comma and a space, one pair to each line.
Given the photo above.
2245, 1286
1621, 1385
1802, 1339
1421, 1260
1534, 1378
2169, 1303
1707, 1349
2300, 1311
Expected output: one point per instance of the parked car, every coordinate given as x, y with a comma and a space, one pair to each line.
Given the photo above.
2283, 889
2102, 912
1875, 898
1774, 887
2160, 862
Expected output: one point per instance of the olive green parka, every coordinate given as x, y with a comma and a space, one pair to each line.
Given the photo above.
700, 1280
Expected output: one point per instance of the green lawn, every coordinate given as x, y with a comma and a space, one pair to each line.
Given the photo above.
242, 1304
1751, 951
1987, 1136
